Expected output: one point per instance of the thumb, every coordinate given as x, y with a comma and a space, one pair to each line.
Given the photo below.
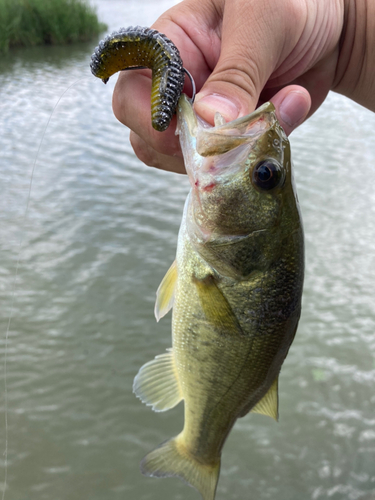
252, 45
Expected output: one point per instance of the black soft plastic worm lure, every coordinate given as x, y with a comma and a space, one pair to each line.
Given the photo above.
137, 47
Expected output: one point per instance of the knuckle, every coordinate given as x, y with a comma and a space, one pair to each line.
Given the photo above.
294, 9
244, 75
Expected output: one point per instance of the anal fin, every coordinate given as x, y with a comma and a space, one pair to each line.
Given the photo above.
269, 404
157, 384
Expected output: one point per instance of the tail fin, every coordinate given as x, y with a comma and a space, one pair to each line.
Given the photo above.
171, 459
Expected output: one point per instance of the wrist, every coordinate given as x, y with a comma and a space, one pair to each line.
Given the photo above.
355, 68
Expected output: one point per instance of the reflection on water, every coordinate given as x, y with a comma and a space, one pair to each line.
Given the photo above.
99, 235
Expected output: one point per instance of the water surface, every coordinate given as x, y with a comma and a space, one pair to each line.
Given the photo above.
99, 234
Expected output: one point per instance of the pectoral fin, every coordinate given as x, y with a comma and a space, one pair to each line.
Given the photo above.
165, 292
157, 384
216, 308
269, 404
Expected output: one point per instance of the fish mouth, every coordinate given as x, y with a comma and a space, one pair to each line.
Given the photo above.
224, 137
210, 149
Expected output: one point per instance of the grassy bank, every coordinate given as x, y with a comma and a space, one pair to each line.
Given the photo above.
37, 22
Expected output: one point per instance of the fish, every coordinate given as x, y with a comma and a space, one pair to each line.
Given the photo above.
234, 289
141, 47
235, 286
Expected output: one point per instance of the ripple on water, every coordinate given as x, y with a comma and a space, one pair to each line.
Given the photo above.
100, 233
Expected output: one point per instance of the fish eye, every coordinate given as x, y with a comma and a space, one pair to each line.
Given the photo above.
267, 174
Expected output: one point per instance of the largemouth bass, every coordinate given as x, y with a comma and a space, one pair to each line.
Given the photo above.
235, 289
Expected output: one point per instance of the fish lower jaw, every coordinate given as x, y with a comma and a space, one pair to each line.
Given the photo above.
198, 233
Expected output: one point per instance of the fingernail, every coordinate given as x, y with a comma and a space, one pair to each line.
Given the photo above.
293, 108
206, 107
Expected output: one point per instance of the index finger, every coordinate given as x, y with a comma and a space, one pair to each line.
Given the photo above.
131, 98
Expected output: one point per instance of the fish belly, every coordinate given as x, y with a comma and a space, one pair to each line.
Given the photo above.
223, 374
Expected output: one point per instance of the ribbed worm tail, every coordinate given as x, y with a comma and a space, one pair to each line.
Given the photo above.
137, 47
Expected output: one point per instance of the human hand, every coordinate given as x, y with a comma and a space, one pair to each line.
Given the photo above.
242, 53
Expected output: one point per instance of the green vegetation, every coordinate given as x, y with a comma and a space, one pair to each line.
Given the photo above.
37, 22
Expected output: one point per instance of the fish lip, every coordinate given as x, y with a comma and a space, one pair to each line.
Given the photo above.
218, 140
201, 141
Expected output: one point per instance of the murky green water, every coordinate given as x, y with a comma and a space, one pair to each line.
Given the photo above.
100, 233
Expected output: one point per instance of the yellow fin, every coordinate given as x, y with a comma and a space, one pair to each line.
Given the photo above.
216, 307
157, 384
269, 404
165, 292
172, 459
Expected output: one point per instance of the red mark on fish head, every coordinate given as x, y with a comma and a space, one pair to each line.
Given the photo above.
209, 187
